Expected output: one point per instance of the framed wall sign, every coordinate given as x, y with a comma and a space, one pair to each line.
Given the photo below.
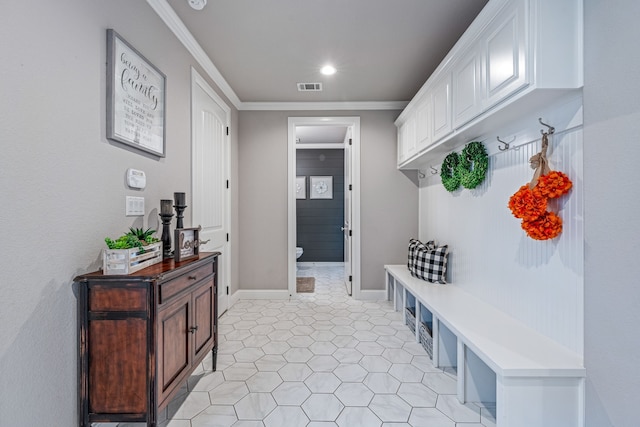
135, 98
187, 241
301, 187
321, 187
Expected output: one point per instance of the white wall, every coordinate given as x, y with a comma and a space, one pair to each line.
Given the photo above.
388, 197
538, 282
62, 182
612, 239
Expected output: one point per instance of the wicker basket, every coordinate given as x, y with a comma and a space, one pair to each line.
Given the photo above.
411, 318
426, 339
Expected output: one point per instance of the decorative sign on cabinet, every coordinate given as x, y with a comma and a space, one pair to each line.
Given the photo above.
141, 335
516, 56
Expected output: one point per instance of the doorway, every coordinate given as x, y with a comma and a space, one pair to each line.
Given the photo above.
351, 222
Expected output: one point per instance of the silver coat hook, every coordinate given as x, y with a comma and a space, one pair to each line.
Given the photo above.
506, 144
551, 128
421, 175
433, 170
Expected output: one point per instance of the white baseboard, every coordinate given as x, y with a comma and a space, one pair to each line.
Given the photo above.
372, 295
242, 294
320, 264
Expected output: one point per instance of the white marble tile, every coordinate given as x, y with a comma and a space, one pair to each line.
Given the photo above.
245, 423
255, 406
358, 417
388, 341
255, 341
300, 341
406, 373
382, 383
461, 413
322, 407
248, 355
270, 363
418, 395
215, 416
429, 417
297, 355
322, 424
440, 383
239, 371
323, 347
291, 393
350, 372
370, 348
347, 355
390, 408
295, 372
354, 394
322, 382
375, 363
397, 355
275, 347
264, 382
193, 404
319, 335
286, 416
228, 393
322, 363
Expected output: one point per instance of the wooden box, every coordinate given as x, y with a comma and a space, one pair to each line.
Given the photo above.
127, 261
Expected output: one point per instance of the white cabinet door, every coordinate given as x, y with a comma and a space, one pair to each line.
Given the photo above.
441, 108
466, 87
505, 53
407, 139
423, 124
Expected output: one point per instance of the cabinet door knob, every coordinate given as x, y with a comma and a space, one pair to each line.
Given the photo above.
191, 277
193, 329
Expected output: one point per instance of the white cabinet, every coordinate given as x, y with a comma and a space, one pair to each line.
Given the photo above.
441, 106
516, 56
504, 54
466, 85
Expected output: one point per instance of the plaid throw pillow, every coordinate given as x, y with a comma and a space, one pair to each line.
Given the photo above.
414, 245
431, 265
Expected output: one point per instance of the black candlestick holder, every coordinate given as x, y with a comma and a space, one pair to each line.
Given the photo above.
166, 234
179, 214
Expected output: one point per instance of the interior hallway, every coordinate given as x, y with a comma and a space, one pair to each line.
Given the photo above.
320, 359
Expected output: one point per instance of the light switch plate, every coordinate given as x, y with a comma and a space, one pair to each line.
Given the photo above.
134, 206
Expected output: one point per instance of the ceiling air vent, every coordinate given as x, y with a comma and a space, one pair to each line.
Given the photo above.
309, 87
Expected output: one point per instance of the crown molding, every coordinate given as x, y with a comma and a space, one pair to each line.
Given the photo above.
168, 15
322, 106
175, 24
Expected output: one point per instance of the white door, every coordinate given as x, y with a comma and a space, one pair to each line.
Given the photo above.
210, 174
346, 228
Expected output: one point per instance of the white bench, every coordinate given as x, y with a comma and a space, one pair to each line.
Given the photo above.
533, 380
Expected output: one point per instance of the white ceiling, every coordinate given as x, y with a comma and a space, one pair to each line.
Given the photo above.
384, 50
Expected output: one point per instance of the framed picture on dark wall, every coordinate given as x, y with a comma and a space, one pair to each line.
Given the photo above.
135, 98
301, 187
321, 187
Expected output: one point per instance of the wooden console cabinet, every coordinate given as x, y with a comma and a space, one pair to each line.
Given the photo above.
141, 335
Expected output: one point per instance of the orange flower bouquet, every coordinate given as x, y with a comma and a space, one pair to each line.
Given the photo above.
547, 226
527, 204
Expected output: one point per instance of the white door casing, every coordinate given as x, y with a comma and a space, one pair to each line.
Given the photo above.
354, 124
210, 120
346, 228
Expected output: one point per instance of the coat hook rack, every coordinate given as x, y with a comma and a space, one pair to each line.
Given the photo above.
433, 170
421, 175
506, 144
550, 130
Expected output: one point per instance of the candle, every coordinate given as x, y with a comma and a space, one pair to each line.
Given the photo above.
179, 199
166, 207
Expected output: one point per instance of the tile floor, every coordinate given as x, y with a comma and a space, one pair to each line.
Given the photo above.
320, 360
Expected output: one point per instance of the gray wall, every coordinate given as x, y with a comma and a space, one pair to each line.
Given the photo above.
319, 220
611, 155
62, 182
389, 199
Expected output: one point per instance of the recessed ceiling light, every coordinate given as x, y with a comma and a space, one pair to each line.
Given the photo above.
328, 70
198, 4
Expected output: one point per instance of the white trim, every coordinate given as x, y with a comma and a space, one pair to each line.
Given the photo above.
320, 264
373, 295
320, 145
354, 123
323, 106
245, 294
171, 19
175, 24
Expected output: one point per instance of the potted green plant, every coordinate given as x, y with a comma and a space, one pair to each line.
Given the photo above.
133, 251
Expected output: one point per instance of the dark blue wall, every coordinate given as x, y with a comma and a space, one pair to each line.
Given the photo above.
319, 220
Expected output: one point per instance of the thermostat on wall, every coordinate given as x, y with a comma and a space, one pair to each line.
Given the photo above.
136, 178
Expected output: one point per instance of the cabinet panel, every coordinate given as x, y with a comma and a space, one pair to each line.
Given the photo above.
173, 343
423, 124
441, 108
505, 53
203, 314
466, 87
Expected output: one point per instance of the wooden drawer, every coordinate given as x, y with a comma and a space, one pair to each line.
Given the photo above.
106, 298
174, 287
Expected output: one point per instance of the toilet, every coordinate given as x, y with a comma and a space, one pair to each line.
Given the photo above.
298, 252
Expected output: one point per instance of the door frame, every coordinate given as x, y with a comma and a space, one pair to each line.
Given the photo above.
224, 279
354, 123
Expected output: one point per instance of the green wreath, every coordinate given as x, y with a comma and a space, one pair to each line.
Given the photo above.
450, 178
473, 164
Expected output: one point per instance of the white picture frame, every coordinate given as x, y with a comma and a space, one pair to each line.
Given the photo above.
321, 187
301, 187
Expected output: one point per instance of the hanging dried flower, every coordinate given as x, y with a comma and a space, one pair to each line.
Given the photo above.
527, 204
547, 226
554, 184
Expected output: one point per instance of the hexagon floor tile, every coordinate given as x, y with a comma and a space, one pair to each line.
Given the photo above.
320, 359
